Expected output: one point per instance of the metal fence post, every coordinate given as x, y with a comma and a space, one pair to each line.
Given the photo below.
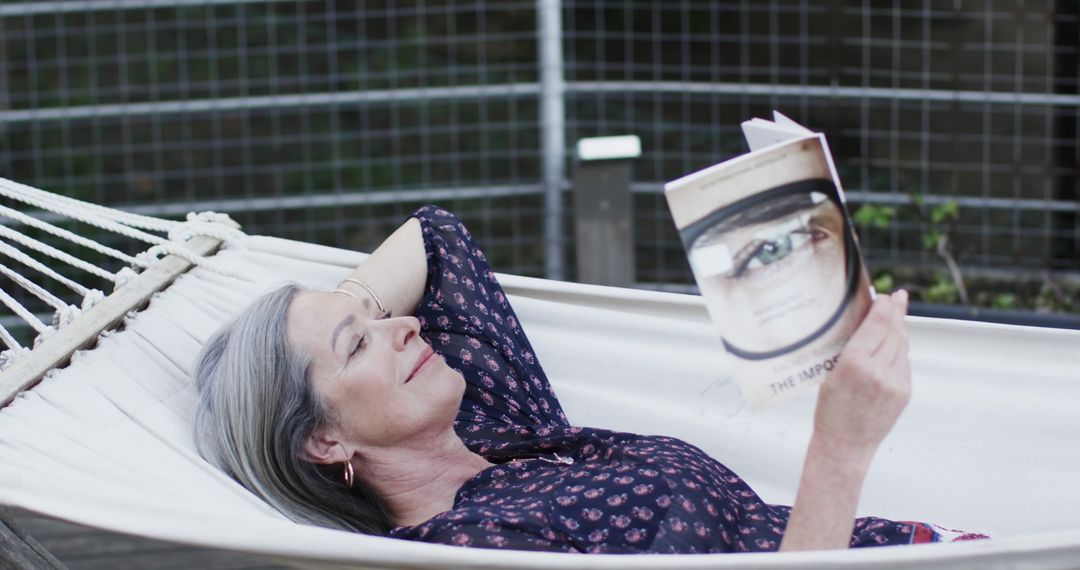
552, 122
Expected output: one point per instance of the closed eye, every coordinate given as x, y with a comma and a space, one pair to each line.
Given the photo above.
360, 344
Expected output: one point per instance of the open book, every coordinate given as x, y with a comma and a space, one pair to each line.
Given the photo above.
773, 252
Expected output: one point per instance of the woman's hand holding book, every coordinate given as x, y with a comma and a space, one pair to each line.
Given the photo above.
857, 407
863, 397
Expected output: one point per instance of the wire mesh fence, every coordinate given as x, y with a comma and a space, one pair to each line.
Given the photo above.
329, 120
973, 103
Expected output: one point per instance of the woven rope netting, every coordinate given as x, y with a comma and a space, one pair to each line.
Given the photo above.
45, 266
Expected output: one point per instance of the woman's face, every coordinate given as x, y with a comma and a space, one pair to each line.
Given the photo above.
381, 382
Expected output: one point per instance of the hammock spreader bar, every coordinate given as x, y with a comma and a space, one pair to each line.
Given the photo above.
55, 351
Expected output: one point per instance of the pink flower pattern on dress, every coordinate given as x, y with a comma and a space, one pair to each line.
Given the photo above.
624, 493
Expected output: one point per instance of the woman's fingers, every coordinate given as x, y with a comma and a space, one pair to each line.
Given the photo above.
896, 334
900, 297
875, 328
893, 377
894, 351
862, 398
888, 364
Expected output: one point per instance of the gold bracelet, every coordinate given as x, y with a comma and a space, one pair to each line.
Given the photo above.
378, 303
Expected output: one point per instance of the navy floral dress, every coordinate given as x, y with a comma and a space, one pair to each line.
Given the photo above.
559, 487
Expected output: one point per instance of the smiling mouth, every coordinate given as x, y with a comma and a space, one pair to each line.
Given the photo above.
425, 357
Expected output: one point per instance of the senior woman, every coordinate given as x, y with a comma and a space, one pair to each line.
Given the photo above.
409, 402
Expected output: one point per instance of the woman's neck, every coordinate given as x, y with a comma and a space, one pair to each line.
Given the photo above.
420, 481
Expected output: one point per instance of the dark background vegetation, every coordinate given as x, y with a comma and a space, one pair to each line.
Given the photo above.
242, 106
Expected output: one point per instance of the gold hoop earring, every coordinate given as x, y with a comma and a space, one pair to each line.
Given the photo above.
349, 475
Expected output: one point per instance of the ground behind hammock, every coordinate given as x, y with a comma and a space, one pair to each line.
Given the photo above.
82, 548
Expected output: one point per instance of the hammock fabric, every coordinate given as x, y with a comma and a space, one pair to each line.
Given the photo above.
990, 442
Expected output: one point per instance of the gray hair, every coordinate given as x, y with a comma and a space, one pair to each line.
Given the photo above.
256, 411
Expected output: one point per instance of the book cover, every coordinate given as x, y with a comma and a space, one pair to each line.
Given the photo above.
773, 251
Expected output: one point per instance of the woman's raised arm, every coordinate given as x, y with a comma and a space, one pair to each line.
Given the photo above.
856, 409
395, 272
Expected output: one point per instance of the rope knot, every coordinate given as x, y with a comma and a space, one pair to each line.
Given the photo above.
151, 255
123, 276
92, 297
211, 224
11, 355
213, 218
63, 317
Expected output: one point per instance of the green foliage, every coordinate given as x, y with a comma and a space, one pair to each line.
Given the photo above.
884, 283
947, 211
931, 238
942, 290
1003, 301
874, 216
937, 222
1052, 297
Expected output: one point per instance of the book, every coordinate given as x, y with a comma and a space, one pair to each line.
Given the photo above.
774, 254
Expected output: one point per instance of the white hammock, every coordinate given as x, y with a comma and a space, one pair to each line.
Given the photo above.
990, 442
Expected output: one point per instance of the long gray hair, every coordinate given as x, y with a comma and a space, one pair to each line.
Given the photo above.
256, 411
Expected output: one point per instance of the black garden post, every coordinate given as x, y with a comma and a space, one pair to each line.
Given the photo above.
603, 209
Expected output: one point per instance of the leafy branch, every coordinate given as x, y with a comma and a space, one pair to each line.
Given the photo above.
938, 222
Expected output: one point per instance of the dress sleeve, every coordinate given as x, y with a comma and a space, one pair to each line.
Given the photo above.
466, 317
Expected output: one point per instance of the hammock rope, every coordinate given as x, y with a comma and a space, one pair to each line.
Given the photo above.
64, 205
23, 313
54, 253
72, 237
133, 226
21, 257
35, 289
128, 224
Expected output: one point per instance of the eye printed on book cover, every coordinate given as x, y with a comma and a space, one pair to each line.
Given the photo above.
777, 246
771, 240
